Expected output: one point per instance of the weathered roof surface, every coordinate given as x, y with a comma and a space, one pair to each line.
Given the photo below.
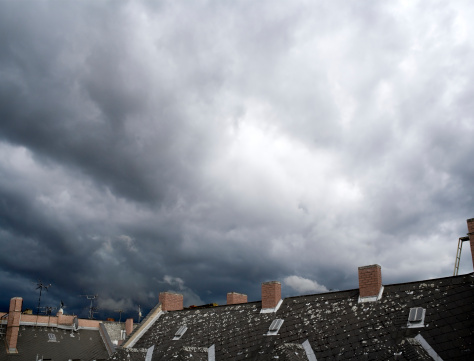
56, 344
335, 324
130, 354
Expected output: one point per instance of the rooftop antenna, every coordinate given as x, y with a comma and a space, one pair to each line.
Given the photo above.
41, 286
92, 309
120, 313
47, 310
139, 313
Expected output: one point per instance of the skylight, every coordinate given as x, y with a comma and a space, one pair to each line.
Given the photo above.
416, 318
51, 337
180, 332
275, 327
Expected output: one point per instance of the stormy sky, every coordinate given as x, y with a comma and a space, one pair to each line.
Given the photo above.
208, 146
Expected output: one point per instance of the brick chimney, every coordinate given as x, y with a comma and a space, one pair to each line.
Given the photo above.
234, 298
271, 294
13, 324
370, 280
470, 233
171, 301
129, 326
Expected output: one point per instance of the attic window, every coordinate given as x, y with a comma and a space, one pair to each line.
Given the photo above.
275, 327
51, 337
416, 318
180, 332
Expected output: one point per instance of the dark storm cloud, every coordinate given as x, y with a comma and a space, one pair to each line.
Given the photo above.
208, 147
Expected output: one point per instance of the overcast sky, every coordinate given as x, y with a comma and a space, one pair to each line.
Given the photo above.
208, 146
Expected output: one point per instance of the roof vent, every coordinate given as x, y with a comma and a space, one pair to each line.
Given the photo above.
180, 333
275, 327
416, 318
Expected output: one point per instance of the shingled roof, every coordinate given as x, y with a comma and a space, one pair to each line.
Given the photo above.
329, 326
51, 343
62, 337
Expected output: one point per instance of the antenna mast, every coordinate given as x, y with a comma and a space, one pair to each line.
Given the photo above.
92, 309
139, 313
120, 313
41, 286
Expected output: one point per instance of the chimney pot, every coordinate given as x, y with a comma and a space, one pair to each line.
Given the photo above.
129, 326
271, 294
13, 324
370, 280
234, 298
171, 301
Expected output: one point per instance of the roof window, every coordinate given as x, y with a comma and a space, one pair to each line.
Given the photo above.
275, 327
180, 332
416, 318
51, 337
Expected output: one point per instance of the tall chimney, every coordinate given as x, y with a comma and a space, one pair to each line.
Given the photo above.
370, 280
271, 294
129, 326
234, 298
171, 301
13, 324
470, 233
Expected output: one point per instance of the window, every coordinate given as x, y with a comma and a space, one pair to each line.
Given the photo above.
416, 318
180, 332
275, 327
51, 337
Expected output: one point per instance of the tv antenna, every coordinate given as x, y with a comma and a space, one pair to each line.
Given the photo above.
92, 309
40, 285
47, 310
120, 313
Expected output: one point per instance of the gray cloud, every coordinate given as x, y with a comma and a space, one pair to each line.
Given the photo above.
213, 146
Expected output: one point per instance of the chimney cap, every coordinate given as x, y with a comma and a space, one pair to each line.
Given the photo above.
370, 266
270, 282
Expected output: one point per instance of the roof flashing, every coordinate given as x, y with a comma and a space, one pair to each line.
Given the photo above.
272, 310
149, 353
371, 298
211, 353
428, 348
309, 351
